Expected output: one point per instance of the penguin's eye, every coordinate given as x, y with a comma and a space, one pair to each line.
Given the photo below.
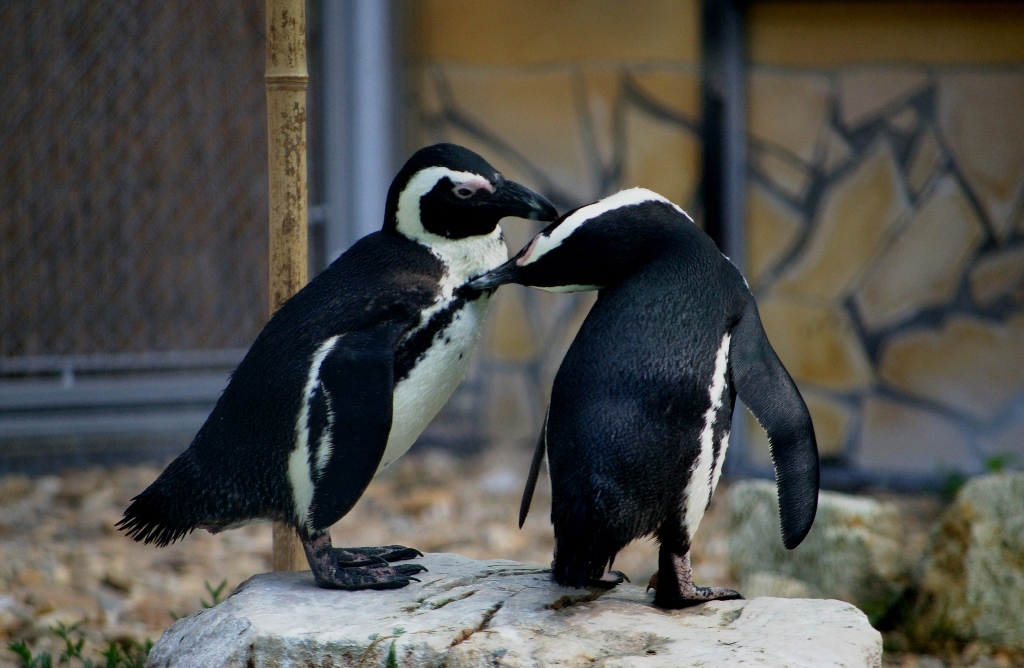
464, 191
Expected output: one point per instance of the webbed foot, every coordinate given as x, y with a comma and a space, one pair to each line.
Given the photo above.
386, 553
673, 584
368, 577
359, 567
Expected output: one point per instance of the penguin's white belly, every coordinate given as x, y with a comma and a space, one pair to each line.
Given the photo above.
420, 396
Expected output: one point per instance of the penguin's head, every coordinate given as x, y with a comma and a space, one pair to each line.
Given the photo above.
448, 191
594, 246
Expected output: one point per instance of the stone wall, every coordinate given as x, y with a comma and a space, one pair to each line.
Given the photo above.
885, 230
885, 207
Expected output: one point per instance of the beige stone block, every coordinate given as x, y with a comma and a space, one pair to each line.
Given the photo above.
517, 33
969, 365
904, 121
789, 110
865, 93
603, 90
772, 228
925, 159
661, 156
536, 114
981, 116
832, 421
837, 152
901, 438
996, 275
856, 215
925, 264
675, 89
508, 333
817, 344
789, 175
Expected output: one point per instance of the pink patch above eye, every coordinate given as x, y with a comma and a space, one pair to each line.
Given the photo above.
525, 257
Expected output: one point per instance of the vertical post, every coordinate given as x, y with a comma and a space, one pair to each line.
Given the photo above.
286, 80
725, 160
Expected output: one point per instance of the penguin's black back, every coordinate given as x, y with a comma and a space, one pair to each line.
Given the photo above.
235, 470
629, 400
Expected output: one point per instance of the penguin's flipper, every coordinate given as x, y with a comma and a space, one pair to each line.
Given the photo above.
531, 479
767, 389
358, 378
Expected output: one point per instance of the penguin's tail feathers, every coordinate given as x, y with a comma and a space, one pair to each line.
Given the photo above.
583, 551
168, 509
767, 389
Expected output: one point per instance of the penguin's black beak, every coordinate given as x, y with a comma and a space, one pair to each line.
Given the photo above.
513, 199
506, 273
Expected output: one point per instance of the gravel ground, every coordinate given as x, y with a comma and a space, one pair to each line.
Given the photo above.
62, 561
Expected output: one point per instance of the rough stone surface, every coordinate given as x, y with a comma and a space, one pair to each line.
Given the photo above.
997, 275
501, 102
864, 93
973, 584
789, 110
924, 160
963, 365
924, 265
675, 90
816, 344
772, 228
855, 217
898, 437
855, 551
502, 613
980, 118
784, 172
661, 156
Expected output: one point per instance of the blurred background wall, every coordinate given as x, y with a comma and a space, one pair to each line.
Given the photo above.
862, 161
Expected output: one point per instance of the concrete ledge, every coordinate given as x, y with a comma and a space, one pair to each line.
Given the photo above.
503, 613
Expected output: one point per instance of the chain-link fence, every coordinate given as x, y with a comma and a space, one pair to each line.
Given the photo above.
133, 186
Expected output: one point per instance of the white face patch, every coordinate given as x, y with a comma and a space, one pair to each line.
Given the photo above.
543, 244
422, 182
705, 471
299, 475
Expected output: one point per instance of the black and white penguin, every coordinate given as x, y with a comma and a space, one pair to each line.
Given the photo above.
347, 373
638, 424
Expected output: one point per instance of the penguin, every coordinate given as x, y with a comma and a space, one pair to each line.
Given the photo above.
347, 373
637, 427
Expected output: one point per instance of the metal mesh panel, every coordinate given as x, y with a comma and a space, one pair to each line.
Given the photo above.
133, 184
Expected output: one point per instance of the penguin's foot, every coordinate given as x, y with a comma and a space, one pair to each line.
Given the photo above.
674, 588
358, 567
370, 555
693, 595
609, 580
368, 577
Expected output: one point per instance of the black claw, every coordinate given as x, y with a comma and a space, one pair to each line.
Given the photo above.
409, 569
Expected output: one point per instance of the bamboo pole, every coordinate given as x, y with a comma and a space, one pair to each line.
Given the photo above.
286, 162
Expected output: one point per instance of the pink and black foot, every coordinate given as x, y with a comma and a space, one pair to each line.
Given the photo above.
354, 568
673, 583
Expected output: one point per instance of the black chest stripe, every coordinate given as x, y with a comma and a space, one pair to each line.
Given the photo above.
414, 348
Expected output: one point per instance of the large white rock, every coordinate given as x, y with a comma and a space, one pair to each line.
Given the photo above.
502, 613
